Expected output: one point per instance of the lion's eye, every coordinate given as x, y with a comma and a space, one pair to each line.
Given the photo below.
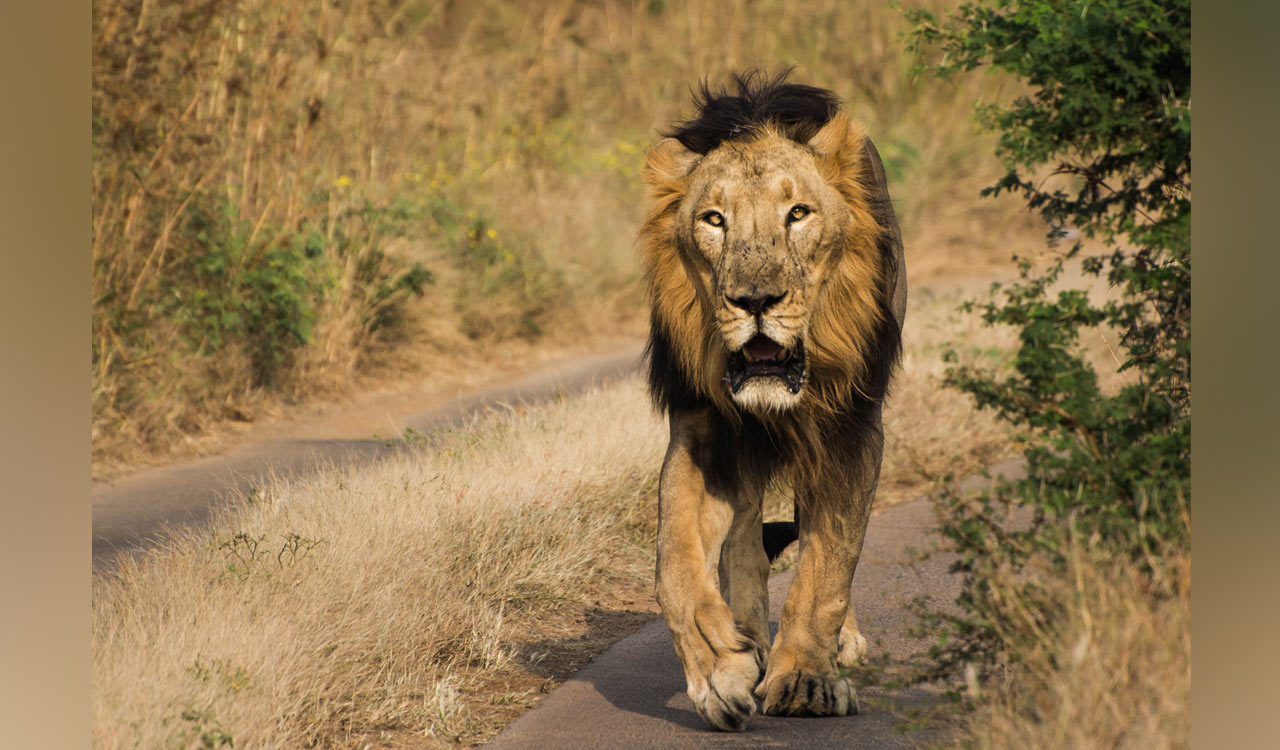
797, 213
714, 218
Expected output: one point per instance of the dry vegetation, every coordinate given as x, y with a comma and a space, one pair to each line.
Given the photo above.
266, 175
399, 605
427, 600
1112, 670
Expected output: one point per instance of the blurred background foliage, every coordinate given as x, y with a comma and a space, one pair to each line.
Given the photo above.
289, 197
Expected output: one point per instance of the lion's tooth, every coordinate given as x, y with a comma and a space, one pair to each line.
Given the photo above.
746, 352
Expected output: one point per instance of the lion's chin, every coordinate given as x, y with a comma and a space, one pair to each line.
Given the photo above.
766, 395
764, 376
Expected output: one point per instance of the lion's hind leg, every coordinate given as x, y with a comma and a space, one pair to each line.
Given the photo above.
744, 571
777, 536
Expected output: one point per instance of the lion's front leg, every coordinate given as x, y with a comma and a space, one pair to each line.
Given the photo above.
818, 637
721, 649
804, 678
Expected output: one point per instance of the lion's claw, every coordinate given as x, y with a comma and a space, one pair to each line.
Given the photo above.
804, 694
726, 703
726, 713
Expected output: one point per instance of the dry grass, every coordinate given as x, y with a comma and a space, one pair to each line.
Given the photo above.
931, 432
401, 587
526, 120
1113, 670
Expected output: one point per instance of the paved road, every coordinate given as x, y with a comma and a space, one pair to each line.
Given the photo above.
131, 511
632, 696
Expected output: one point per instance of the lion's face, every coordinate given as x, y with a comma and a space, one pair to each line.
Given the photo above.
762, 266
757, 230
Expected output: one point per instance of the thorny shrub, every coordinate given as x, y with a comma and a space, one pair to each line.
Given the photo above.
1106, 111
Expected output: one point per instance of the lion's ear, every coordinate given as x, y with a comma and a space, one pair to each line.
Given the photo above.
666, 165
839, 146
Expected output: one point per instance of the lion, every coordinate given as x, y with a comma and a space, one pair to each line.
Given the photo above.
774, 271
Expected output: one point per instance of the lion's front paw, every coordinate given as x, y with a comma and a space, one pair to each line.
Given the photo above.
725, 700
798, 693
722, 661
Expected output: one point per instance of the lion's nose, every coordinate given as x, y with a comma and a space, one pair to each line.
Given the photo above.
756, 304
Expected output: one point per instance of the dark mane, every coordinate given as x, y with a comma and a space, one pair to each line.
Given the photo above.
798, 111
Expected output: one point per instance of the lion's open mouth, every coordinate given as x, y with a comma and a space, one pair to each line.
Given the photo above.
763, 357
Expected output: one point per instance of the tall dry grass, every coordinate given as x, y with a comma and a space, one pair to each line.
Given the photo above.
1110, 669
935, 434
299, 156
367, 605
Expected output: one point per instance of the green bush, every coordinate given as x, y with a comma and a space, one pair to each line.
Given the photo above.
228, 288
1106, 110
230, 284
382, 282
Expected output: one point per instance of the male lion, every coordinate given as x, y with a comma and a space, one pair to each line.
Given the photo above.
775, 274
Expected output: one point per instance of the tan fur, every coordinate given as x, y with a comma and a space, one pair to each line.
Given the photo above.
825, 274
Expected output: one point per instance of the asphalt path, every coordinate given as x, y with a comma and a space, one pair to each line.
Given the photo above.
133, 512
633, 695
